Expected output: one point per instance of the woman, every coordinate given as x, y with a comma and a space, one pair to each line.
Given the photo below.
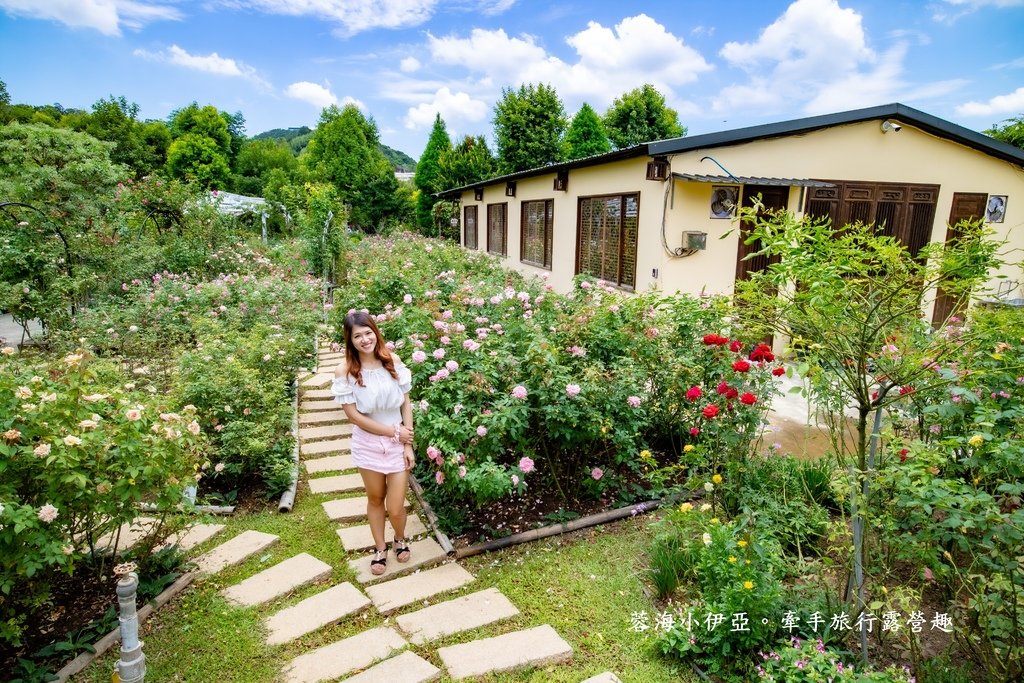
372, 385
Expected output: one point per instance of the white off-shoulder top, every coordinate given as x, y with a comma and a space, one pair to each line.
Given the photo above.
382, 396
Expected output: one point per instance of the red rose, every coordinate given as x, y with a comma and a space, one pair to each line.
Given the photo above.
903, 454
906, 390
694, 431
693, 394
736, 346
710, 411
748, 399
762, 352
722, 388
779, 371
732, 393
715, 340
741, 366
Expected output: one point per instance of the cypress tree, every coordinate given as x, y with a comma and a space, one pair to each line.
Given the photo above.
426, 178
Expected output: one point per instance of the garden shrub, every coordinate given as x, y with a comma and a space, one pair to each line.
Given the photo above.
732, 572
80, 448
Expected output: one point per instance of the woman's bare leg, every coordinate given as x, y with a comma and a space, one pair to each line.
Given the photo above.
376, 487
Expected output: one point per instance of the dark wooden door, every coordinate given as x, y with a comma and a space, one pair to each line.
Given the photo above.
773, 198
967, 206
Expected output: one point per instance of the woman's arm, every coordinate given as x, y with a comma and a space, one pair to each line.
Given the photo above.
406, 430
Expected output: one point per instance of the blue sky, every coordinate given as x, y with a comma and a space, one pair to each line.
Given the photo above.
720, 64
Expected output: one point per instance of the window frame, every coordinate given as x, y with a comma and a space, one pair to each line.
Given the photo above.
503, 206
623, 198
547, 232
476, 226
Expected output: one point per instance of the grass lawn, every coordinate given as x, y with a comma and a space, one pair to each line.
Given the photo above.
586, 585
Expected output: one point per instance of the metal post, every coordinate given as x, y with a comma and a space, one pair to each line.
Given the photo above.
131, 668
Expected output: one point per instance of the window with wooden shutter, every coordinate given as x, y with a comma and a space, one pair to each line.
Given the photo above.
536, 232
607, 238
497, 229
469, 228
900, 210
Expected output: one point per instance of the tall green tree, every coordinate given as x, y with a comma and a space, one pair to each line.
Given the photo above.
201, 150
1011, 131
470, 161
427, 170
528, 126
257, 159
344, 150
641, 115
586, 135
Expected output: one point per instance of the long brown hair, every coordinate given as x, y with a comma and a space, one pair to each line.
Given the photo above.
380, 352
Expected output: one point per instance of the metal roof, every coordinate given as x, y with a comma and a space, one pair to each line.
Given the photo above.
900, 112
751, 180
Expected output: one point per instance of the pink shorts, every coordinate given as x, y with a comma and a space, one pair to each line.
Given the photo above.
376, 453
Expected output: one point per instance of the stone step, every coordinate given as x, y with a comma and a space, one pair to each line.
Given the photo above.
359, 537
606, 677
324, 433
345, 656
312, 406
317, 448
127, 535
317, 394
189, 538
322, 418
392, 595
347, 509
332, 463
234, 551
328, 364
456, 615
273, 582
341, 483
317, 611
407, 667
536, 647
331, 355
426, 552
318, 381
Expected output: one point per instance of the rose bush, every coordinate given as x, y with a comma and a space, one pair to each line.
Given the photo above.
80, 447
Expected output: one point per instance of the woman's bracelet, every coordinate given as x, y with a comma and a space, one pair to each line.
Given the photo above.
398, 428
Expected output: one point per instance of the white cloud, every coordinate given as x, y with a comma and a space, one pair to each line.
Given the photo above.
961, 8
212, 63
493, 7
410, 64
354, 15
313, 93
454, 108
105, 16
1012, 103
608, 61
818, 54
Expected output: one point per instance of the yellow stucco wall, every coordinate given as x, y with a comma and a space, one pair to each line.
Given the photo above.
854, 152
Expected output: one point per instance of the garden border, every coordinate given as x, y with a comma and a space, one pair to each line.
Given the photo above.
574, 525
287, 500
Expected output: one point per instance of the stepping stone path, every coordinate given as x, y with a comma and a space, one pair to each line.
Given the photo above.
384, 653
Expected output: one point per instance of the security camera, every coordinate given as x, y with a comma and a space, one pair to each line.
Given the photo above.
888, 125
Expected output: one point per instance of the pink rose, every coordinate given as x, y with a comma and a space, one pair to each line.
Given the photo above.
633, 401
572, 390
481, 431
418, 356
438, 354
597, 473
439, 477
526, 465
519, 391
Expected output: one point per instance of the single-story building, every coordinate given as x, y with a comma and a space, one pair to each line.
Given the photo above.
653, 214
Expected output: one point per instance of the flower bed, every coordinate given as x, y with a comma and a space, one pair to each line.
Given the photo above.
521, 392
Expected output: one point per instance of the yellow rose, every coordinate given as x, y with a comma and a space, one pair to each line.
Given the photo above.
645, 454
717, 478
976, 440
689, 448
685, 507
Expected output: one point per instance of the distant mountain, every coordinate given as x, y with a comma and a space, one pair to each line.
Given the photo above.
400, 160
299, 137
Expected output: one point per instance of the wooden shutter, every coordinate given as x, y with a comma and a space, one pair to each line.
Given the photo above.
535, 231
967, 206
497, 232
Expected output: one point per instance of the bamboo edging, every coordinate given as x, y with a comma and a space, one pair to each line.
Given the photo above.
288, 497
446, 543
574, 525
83, 660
